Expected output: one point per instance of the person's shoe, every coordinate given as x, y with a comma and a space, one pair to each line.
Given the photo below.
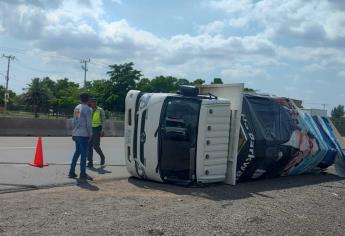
72, 175
86, 177
90, 165
102, 161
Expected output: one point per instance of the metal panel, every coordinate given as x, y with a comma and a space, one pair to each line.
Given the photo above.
213, 142
233, 92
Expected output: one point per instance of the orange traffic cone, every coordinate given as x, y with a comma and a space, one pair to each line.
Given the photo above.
38, 161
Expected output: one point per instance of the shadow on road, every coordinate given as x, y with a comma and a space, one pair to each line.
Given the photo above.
19, 185
219, 192
86, 185
100, 170
16, 187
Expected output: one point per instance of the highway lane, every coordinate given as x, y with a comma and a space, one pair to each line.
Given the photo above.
17, 152
57, 150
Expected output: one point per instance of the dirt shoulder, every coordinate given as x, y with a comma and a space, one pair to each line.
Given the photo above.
301, 205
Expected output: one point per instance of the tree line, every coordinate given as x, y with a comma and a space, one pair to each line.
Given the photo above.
59, 97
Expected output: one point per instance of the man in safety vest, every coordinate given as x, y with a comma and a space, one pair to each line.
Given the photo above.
98, 119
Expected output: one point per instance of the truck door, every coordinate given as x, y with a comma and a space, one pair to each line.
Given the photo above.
178, 139
213, 142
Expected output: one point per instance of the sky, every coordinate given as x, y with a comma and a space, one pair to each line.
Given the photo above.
292, 48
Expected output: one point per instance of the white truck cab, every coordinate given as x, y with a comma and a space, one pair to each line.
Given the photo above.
177, 138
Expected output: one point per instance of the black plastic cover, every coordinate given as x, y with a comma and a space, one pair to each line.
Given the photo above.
189, 91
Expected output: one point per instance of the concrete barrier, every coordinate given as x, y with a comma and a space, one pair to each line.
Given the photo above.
50, 127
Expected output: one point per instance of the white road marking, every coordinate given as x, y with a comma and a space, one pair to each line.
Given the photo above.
9, 148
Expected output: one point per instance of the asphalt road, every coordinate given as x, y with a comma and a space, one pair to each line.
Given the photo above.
17, 152
57, 150
297, 205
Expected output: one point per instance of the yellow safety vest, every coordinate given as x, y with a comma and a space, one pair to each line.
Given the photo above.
96, 118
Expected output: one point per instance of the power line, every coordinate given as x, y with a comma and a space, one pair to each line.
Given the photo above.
9, 58
28, 52
39, 70
100, 63
84, 67
15, 50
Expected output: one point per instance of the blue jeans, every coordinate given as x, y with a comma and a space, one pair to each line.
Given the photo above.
81, 146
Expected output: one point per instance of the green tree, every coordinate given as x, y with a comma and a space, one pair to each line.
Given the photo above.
48, 83
37, 95
123, 77
62, 84
144, 85
217, 81
164, 84
103, 91
65, 96
12, 96
182, 82
198, 82
338, 112
249, 90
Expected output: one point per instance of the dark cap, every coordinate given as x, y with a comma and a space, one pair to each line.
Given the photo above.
93, 99
84, 97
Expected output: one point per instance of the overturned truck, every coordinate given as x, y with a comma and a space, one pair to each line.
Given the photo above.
217, 133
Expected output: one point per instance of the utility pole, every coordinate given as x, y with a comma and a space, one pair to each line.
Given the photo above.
84, 67
9, 58
324, 105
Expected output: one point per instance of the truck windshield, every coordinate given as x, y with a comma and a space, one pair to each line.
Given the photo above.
178, 138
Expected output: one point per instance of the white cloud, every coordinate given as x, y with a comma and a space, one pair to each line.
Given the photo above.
297, 22
178, 18
117, 1
266, 44
291, 88
341, 73
73, 31
215, 27
313, 67
78, 10
325, 56
335, 25
22, 21
239, 22
307, 33
238, 71
232, 6
122, 32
